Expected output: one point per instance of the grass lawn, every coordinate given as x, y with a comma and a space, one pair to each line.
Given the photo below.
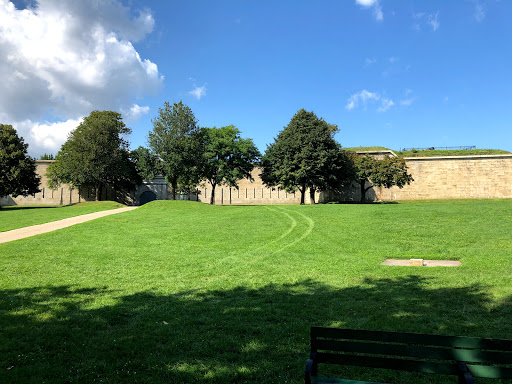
182, 292
19, 216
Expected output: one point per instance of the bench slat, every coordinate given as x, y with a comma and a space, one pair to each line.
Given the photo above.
387, 363
328, 380
467, 355
413, 338
490, 372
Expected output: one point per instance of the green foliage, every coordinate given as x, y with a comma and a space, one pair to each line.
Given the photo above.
17, 170
227, 158
174, 140
388, 172
146, 163
305, 155
96, 155
47, 156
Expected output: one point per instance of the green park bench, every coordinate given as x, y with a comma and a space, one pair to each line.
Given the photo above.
464, 357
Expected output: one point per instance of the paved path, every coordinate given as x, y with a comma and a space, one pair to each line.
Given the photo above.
33, 230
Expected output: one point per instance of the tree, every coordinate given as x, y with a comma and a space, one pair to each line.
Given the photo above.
387, 172
174, 140
226, 157
146, 163
47, 156
17, 170
96, 155
305, 155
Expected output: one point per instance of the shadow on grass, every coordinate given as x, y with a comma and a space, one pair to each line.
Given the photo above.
241, 335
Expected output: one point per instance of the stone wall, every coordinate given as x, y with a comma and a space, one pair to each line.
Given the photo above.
250, 192
455, 177
450, 177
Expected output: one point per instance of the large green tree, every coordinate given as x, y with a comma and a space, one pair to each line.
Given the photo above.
96, 155
17, 170
174, 140
387, 172
305, 155
226, 157
147, 164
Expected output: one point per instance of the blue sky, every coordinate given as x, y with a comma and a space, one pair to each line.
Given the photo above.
389, 73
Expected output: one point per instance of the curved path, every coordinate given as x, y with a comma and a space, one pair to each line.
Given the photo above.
33, 230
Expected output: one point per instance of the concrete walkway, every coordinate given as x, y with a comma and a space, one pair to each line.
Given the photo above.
33, 230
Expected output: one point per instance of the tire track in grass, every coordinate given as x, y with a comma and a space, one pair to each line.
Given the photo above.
233, 255
306, 233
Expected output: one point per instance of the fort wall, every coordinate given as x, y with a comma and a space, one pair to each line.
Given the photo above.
449, 177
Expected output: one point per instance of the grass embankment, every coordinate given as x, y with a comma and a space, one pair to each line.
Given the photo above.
181, 292
19, 216
355, 149
450, 152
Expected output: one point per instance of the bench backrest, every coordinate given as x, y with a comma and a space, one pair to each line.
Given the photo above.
489, 358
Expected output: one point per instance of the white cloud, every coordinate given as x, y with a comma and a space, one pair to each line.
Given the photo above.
480, 11
63, 59
385, 105
375, 5
364, 98
135, 112
370, 61
361, 99
407, 102
433, 21
45, 137
198, 92
429, 19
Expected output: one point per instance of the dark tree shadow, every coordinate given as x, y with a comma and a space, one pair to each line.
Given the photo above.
64, 335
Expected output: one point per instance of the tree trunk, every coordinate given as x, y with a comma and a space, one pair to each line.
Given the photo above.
98, 192
174, 187
302, 194
363, 191
311, 195
212, 197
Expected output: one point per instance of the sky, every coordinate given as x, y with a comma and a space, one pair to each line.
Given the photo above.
392, 73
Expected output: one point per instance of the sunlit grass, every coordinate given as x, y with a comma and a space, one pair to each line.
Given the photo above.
181, 292
19, 216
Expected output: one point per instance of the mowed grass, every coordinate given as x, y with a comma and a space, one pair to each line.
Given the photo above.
182, 292
19, 216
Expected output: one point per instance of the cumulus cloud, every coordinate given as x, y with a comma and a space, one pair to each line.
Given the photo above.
45, 137
198, 92
374, 5
364, 98
62, 59
135, 112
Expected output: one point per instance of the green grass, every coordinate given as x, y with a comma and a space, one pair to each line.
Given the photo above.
450, 152
181, 292
19, 216
366, 149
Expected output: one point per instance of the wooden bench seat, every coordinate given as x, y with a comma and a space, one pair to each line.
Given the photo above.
463, 357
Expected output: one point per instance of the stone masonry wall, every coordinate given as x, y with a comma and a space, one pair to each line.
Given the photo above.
450, 177
455, 177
